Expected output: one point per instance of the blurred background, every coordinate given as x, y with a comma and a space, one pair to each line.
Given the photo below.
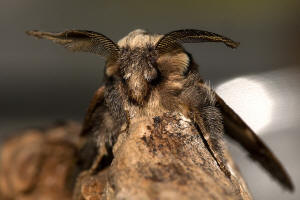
41, 82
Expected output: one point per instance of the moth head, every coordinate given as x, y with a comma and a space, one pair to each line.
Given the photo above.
137, 65
140, 60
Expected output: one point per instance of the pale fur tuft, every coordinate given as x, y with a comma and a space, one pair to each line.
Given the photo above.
211, 94
139, 39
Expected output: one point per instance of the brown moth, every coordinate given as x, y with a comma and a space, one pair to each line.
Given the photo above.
149, 74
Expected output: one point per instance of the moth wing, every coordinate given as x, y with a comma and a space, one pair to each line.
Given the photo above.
238, 130
96, 103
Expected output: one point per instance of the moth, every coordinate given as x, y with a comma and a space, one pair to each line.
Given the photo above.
146, 75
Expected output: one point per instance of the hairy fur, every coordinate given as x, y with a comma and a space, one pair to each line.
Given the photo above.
147, 84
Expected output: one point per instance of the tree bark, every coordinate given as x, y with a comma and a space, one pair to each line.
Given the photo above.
162, 158
39, 164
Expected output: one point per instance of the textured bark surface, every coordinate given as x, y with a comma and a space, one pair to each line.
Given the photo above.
162, 158
39, 164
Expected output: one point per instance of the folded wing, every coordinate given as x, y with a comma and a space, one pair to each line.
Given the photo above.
238, 130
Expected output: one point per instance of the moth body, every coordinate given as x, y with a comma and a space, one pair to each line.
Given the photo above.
149, 75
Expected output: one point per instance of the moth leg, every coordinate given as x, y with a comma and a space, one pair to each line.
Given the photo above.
209, 121
201, 100
100, 140
97, 124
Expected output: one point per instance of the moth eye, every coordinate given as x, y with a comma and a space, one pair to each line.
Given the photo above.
150, 74
152, 61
